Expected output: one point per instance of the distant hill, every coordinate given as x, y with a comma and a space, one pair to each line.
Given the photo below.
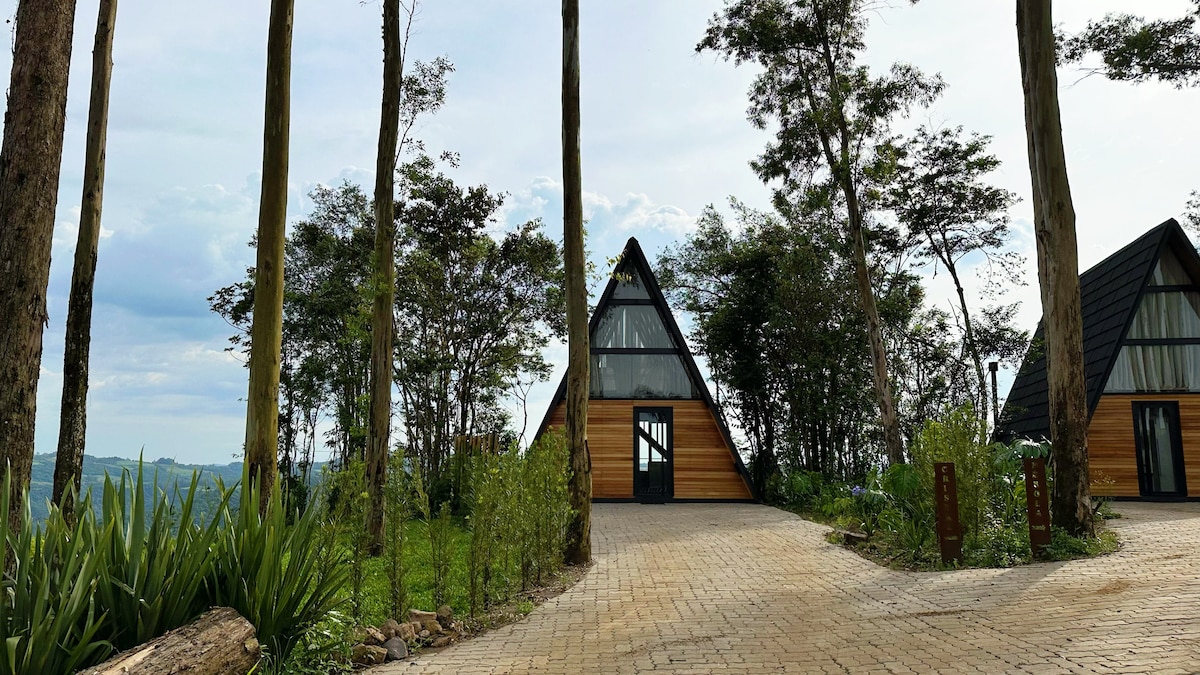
166, 473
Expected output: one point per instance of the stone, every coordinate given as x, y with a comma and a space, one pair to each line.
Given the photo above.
416, 626
431, 626
445, 615
406, 632
424, 635
367, 655
421, 617
443, 641
390, 629
396, 649
367, 635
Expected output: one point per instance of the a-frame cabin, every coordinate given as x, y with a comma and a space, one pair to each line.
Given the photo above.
654, 432
1141, 344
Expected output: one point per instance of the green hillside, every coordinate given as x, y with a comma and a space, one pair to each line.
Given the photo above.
165, 473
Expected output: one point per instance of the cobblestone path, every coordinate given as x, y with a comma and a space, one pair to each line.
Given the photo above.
711, 588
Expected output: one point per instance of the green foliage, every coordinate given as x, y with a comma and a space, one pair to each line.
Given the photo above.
399, 494
156, 561
1136, 50
283, 578
961, 438
50, 621
149, 564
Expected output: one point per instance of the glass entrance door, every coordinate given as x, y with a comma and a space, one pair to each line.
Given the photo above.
1159, 449
653, 474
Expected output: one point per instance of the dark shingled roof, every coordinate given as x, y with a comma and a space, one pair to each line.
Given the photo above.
1109, 295
632, 259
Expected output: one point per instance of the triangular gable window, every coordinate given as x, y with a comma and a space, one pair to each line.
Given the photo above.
632, 327
630, 286
1161, 351
1170, 272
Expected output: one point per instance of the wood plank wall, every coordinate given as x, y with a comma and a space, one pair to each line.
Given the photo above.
1112, 453
704, 467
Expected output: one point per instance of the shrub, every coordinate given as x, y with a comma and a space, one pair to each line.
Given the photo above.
155, 565
283, 579
961, 438
50, 621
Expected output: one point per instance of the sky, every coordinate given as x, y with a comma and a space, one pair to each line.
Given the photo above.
664, 133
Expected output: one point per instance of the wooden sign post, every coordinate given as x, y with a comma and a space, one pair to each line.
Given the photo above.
945, 493
1037, 503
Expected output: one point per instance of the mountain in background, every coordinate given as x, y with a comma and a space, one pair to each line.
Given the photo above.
166, 473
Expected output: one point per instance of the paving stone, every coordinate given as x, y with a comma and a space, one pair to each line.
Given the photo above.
740, 588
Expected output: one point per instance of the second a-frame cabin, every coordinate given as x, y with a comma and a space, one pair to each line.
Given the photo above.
1141, 344
654, 432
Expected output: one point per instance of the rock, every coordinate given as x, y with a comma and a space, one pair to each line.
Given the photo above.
421, 617
431, 626
390, 629
416, 626
445, 615
367, 655
406, 632
367, 636
396, 649
424, 635
443, 641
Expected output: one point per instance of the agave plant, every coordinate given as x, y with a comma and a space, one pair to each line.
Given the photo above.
49, 618
157, 565
283, 578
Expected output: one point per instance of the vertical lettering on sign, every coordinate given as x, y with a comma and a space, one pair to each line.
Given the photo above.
1037, 504
949, 530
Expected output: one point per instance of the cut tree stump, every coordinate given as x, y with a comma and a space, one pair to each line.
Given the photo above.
220, 642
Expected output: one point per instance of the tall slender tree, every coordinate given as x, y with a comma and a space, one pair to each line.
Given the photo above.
30, 159
1058, 268
383, 280
72, 426
831, 114
266, 330
579, 531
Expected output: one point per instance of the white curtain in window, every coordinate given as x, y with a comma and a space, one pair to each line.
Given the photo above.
1153, 368
1173, 314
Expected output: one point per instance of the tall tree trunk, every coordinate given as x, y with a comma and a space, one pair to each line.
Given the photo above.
382, 321
888, 419
579, 532
266, 330
969, 336
72, 426
1058, 268
30, 159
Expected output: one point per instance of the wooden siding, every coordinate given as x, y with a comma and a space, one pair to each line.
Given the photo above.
1112, 454
704, 466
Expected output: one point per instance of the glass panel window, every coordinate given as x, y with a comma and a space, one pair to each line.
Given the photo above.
1153, 368
640, 376
1170, 272
631, 286
1171, 314
631, 326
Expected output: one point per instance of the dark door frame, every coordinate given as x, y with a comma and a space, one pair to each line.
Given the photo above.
1140, 451
640, 492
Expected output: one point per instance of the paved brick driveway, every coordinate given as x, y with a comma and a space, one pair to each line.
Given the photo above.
705, 588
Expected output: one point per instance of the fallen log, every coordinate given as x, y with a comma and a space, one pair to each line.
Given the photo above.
220, 642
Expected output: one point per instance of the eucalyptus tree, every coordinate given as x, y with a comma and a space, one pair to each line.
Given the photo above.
266, 331
1058, 268
830, 115
940, 195
384, 279
775, 318
72, 426
579, 532
30, 159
